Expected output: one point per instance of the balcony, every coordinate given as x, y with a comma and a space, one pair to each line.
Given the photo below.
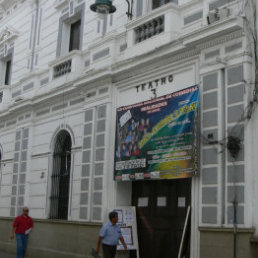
152, 30
66, 68
149, 29
177, 26
62, 68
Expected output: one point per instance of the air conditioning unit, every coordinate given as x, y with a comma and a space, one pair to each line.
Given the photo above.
218, 14
213, 16
224, 13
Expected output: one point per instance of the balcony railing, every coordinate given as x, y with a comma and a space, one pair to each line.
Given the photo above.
149, 29
62, 68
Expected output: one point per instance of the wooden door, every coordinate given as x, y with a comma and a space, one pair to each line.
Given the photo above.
161, 208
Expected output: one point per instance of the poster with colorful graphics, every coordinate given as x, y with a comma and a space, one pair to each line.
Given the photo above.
158, 138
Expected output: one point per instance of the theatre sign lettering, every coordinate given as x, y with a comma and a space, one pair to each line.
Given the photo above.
153, 85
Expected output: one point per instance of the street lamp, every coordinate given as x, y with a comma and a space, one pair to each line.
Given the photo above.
104, 7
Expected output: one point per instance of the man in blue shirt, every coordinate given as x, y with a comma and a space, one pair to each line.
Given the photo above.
109, 235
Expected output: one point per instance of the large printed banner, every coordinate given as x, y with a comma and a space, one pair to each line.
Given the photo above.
157, 139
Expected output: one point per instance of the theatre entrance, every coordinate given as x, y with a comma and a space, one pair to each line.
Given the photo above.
161, 209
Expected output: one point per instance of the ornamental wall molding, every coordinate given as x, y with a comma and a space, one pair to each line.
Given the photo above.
164, 56
6, 4
7, 7
7, 35
67, 5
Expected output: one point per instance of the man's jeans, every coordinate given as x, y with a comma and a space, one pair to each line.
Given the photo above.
22, 241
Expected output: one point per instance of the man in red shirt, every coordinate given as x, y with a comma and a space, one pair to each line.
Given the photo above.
22, 226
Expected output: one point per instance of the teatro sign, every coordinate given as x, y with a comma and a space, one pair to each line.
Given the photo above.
153, 85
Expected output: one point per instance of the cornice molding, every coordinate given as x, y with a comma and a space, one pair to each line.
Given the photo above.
60, 3
165, 54
109, 37
30, 76
40, 155
212, 31
220, 40
65, 57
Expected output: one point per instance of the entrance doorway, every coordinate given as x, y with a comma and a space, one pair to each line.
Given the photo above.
60, 179
161, 208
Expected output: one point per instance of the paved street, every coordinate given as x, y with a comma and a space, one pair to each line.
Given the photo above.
7, 255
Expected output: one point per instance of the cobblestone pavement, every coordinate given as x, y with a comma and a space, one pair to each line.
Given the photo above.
7, 255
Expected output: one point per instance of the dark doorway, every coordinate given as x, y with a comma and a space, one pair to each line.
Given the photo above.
60, 178
161, 208
75, 36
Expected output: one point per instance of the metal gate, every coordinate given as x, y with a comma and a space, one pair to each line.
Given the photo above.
60, 179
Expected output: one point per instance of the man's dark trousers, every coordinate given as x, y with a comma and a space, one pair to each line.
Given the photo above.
109, 251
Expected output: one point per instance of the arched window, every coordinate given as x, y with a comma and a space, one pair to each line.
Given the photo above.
60, 179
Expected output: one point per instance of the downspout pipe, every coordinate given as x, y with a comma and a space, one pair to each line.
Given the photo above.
235, 229
34, 36
234, 146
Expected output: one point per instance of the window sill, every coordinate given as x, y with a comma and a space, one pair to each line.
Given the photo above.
226, 229
65, 57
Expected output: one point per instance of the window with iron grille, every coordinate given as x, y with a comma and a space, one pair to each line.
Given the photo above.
60, 178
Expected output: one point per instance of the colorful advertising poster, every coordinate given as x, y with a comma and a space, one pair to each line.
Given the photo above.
158, 138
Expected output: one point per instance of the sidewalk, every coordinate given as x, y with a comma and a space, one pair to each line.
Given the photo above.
7, 255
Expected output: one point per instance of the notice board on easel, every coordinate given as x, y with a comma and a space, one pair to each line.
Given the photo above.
128, 225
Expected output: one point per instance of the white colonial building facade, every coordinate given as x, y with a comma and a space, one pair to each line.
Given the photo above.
65, 71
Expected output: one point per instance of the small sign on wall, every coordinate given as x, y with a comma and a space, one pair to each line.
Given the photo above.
181, 202
162, 201
143, 202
